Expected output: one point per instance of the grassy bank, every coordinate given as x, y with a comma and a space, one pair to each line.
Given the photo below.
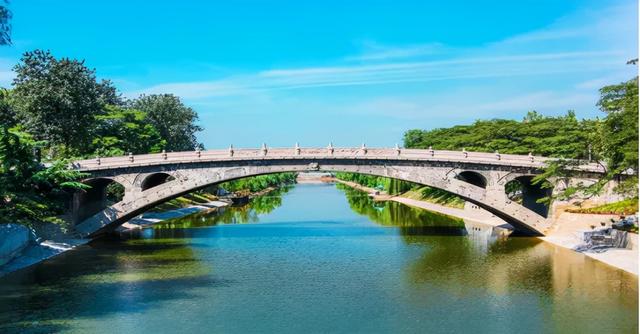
404, 189
245, 186
186, 201
625, 207
435, 196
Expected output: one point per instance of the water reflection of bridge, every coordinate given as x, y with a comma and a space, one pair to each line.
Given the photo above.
482, 236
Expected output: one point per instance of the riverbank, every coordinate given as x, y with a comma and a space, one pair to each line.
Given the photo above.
472, 214
56, 243
148, 219
569, 227
566, 232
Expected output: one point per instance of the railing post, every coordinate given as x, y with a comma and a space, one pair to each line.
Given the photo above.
198, 152
465, 153
397, 149
498, 155
531, 156
164, 155
432, 151
98, 160
264, 149
230, 150
296, 148
130, 157
364, 148
330, 148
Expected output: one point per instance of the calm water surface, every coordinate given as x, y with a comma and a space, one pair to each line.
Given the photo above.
319, 259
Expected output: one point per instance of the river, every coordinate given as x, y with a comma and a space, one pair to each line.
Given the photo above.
319, 259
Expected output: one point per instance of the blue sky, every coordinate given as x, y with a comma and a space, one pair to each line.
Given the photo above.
349, 72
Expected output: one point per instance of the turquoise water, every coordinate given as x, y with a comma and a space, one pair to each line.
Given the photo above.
318, 259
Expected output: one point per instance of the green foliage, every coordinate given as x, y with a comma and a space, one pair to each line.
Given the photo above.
618, 133
30, 193
121, 130
57, 99
7, 112
115, 192
563, 136
230, 215
175, 121
258, 183
389, 185
58, 105
407, 189
395, 214
613, 140
625, 207
437, 196
5, 24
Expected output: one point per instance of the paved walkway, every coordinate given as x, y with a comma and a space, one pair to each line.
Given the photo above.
568, 230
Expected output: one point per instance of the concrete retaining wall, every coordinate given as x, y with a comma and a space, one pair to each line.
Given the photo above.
14, 238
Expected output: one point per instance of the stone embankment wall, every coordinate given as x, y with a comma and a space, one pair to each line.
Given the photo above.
14, 239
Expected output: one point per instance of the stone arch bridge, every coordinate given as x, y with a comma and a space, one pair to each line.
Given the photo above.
152, 179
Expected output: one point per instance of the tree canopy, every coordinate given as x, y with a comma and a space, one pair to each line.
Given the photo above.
5, 24
563, 136
612, 140
175, 121
60, 105
618, 133
57, 99
123, 130
30, 193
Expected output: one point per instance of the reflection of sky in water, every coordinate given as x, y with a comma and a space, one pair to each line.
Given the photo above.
319, 261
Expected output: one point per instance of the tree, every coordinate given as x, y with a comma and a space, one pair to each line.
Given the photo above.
30, 193
5, 24
57, 99
562, 136
109, 95
617, 140
7, 112
175, 121
120, 130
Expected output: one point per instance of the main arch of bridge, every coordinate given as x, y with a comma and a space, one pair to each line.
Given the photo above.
476, 184
479, 178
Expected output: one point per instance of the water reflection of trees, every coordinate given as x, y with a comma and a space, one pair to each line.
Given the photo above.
448, 259
411, 221
244, 214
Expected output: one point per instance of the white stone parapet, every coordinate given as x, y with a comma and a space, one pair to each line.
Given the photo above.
364, 153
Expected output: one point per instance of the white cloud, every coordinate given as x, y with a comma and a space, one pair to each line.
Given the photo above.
376, 52
391, 73
550, 70
438, 108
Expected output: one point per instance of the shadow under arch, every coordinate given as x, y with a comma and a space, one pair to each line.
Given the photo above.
474, 178
103, 193
155, 179
522, 189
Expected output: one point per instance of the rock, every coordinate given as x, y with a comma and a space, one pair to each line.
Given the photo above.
14, 238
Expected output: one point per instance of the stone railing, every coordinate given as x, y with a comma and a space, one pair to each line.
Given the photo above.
329, 152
